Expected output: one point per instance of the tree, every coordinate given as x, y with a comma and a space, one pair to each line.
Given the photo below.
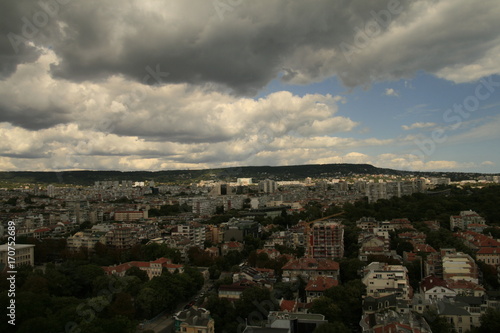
148, 304
250, 298
490, 278
349, 269
490, 321
36, 284
198, 257
349, 298
336, 327
84, 276
222, 311
327, 307
214, 272
136, 271
437, 323
122, 305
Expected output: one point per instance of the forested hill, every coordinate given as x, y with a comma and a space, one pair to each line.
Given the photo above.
294, 172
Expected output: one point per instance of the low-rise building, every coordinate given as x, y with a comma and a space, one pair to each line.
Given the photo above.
309, 268
457, 315
234, 291
23, 254
489, 255
382, 279
194, 320
465, 218
85, 239
317, 286
435, 288
152, 268
459, 266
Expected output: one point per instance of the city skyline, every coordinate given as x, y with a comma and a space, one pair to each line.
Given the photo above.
406, 85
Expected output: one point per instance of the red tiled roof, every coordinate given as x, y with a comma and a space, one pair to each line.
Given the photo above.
321, 283
287, 305
463, 284
140, 264
432, 281
489, 250
310, 264
237, 286
42, 230
268, 251
233, 244
423, 248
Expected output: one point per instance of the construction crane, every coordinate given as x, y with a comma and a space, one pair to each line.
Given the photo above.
308, 224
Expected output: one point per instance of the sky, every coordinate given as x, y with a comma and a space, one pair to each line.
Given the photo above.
195, 84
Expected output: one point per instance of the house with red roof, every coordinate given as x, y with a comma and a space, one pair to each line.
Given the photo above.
413, 237
476, 240
317, 286
288, 305
212, 251
152, 268
489, 255
466, 288
373, 245
234, 291
271, 253
231, 246
435, 288
466, 218
41, 232
309, 268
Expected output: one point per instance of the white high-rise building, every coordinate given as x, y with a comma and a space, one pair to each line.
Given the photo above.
268, 186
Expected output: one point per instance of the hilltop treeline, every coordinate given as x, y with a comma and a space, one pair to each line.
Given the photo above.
418, 207
87, 177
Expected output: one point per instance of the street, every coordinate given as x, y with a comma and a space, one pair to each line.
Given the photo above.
165, 322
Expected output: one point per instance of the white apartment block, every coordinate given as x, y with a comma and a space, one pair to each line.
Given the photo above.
382, 279
460, 266
465, 218
195, 232
85, 239
24, 254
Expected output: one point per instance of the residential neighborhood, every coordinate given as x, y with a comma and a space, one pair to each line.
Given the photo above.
268, 256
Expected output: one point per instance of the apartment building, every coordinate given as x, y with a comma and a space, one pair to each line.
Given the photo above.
326, 240
195, 232
382, 279
24, 254
85, 239
194, 320
309, 268
467, 217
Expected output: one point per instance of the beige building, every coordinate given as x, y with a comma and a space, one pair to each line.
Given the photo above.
465, 218
194, 320
459, 266
85, 239
152, 268
24, 255
489, 255
309, 268
128, 216
382, 279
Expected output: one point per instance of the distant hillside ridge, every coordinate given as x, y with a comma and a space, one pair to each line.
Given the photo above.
292, 172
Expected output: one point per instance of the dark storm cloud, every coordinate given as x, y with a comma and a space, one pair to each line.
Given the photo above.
33, 118
13, 47
245, 44
243, 49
